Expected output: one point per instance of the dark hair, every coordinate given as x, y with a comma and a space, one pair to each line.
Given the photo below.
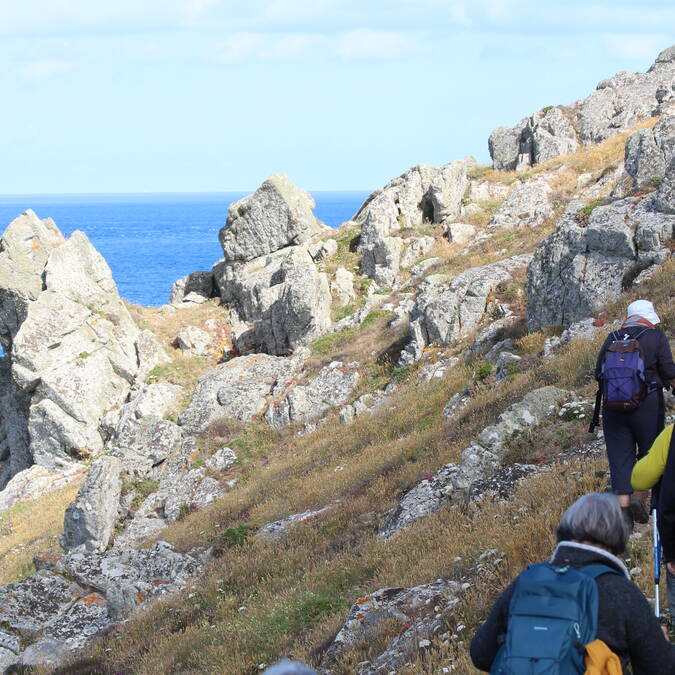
596, 518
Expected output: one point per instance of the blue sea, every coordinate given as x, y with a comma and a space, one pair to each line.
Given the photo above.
150, 240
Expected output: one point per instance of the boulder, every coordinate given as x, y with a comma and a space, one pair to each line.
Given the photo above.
277, 215
237, 390
143, 444
529, 205
343, 286
200, 283
37, 482
618, 103
447, 309
460, 233
478, 461
280, 302
665, 196
406, 607
89, 520
193, 341
332, 387
321, 250
590, 258
73, 349
278, 528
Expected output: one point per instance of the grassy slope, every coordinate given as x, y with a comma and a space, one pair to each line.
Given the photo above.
297, 592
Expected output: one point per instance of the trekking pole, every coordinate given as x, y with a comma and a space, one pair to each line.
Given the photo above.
657, 565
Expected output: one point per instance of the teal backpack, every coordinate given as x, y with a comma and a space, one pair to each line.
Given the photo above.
553, 614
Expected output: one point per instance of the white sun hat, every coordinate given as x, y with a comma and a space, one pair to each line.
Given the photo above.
643, 309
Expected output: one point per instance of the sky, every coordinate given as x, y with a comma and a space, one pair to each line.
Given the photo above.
214, 95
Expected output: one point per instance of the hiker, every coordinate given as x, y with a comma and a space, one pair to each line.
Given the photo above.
591, 535
633, 411
648, 473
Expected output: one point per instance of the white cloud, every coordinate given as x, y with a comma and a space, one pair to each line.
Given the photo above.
245, 47
44, 69
364, 43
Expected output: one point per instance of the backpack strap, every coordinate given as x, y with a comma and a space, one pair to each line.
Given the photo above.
598, 569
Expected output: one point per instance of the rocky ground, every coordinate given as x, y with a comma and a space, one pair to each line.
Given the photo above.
327, 412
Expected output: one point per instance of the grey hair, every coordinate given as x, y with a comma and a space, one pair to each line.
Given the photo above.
596, 518
287, 667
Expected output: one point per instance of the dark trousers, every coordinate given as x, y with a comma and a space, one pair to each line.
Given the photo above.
628, 437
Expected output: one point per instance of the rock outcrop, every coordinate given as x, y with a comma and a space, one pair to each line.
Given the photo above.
333, 386
280, 302
617, 103
478, 461
277, 215
529, 205
649, 152
592, 257
73, 597
239, 389
447, 309
422, 194
73, 349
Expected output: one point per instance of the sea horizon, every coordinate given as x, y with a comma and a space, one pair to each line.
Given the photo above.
151, 239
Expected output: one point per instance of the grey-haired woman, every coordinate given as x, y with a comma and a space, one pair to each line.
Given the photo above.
594, 531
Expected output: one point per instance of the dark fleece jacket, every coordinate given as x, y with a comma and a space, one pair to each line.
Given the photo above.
659, 366
626, 622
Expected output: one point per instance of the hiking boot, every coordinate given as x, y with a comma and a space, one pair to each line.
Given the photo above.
639, 511
628, 515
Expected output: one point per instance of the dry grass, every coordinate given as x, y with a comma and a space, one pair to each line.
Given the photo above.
29, 528
297, 592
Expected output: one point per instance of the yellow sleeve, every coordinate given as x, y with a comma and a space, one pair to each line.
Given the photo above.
648, 470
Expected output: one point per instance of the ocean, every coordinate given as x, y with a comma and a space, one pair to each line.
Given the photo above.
150, 240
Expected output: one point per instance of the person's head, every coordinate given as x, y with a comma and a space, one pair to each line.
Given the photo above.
596, 519
644, 310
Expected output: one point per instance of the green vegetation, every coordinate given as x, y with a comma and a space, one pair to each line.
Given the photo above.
483, 371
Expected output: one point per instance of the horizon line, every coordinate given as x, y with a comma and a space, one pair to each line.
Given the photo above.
166, 192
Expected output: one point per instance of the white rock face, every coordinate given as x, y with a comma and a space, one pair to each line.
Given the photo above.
423, 193
277, 215
617, 103
74, 351
281, 301
447, 309
588, 259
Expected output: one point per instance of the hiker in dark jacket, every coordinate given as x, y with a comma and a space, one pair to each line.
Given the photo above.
594, 531
629, 435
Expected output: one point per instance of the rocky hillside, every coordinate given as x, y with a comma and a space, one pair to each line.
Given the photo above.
335, 444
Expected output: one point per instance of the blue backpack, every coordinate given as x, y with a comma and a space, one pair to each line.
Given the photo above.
553, 614
622, 377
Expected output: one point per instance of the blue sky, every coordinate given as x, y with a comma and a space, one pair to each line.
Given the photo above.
214, 95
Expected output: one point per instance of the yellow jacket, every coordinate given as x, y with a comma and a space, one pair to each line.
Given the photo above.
648, 471
601, 660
